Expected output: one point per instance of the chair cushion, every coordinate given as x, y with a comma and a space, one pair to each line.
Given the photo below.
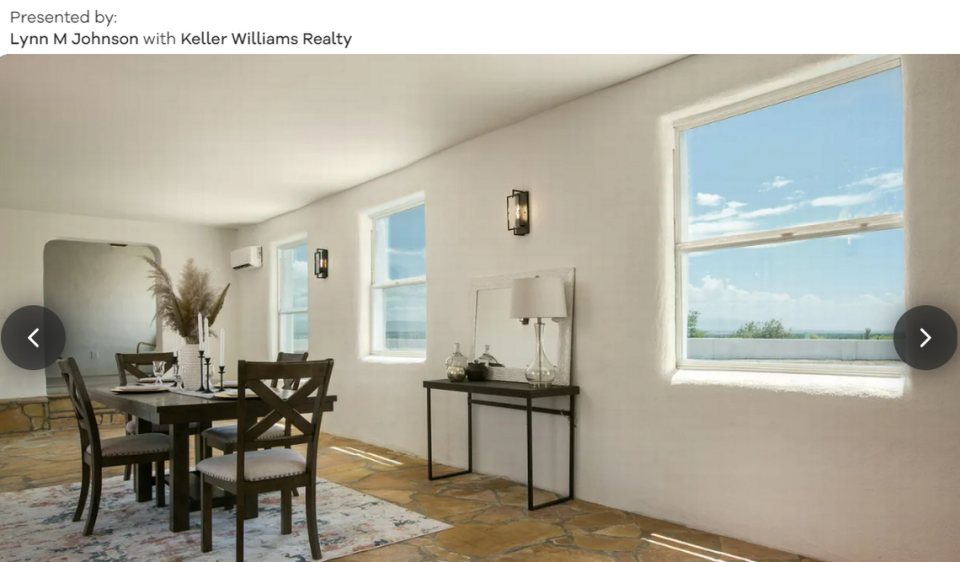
228, 433
131, 427
134, 445
257, 465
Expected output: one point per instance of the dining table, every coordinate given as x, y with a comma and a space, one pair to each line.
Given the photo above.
178, 411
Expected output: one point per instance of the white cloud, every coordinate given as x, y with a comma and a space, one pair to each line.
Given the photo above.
777, 183
797, 194
709, 199
721, 228
721, 302
887, 181
728, 211
769, 212
843, 200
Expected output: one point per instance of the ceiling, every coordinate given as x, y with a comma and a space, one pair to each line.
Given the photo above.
232, 140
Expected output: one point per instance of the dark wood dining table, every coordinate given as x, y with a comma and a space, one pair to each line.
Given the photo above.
179, 411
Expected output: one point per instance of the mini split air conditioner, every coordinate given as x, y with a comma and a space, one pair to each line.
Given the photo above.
250, 257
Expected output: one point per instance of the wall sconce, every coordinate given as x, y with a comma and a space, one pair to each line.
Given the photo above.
518, 212
320, 263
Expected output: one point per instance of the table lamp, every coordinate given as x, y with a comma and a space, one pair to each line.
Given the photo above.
538, 297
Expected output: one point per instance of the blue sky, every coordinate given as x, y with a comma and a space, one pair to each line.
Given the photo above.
833, 155
405, 238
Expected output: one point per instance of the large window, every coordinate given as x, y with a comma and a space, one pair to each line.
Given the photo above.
789, 250
292, 303
399, 282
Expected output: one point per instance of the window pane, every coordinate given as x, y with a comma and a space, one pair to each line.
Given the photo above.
400, 318
401, 243
294, 332
294, 267
833, 155
827, 300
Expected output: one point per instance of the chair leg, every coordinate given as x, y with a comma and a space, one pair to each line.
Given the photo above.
84, 490
312, 519
206, 515
127, 471
286, 512
161, 482
296, 492
97, 481
230, 504
240, 521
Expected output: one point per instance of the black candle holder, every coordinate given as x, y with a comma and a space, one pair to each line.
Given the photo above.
206, 377
222, 369
201, 389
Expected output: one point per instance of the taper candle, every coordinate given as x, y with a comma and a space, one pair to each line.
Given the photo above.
223, 347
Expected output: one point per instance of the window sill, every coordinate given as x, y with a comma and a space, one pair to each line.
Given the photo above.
392, 360
858, 386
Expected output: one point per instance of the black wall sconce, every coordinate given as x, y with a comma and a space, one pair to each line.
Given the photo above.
518, 212
320, 263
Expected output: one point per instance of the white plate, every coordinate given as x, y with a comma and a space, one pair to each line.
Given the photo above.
140, 388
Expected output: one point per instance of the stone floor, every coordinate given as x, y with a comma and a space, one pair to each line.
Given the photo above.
488, 513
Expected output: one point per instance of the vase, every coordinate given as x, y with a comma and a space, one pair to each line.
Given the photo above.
456, 365
189, 362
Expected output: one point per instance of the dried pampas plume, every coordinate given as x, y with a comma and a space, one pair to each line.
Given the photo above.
196, 296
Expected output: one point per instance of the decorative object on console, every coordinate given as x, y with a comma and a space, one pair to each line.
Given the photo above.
457, 365
320, 263
185, 309
486, 359
518, 212
476, 371
538, 297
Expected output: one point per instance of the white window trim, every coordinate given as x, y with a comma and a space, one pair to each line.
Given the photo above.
806, 232
278, 297
405, 204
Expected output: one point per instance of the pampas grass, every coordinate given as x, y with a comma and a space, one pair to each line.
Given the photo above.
196, 296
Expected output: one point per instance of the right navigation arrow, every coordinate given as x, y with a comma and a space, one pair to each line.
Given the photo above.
926, 341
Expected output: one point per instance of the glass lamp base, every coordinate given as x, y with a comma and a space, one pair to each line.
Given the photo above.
541, 373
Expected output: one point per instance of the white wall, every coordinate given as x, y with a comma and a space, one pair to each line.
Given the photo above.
24, 235
840, 478
98, 292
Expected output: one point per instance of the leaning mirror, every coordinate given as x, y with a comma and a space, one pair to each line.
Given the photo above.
512, 343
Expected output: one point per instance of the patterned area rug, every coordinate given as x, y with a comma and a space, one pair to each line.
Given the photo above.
38, 525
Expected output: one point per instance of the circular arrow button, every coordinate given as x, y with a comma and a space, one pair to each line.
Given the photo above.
925, 337
33, 337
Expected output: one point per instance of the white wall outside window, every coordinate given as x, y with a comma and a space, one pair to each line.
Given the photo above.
293, 271
789, 228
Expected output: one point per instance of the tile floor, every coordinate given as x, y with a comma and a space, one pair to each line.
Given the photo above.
488, 514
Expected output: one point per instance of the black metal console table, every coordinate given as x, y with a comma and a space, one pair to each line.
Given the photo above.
515, 390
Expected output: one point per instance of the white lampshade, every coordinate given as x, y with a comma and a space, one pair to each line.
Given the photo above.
538, 297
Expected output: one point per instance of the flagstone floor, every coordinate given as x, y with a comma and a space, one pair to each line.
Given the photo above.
488, 513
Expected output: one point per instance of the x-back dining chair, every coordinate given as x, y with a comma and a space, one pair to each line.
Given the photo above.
254, 471
97, 454
129, 366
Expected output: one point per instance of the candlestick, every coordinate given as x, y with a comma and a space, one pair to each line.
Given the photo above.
201, 389
222, 369
206, 377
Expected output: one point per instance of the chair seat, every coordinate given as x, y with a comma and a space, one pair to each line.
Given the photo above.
257, 465
134, 445
227, 434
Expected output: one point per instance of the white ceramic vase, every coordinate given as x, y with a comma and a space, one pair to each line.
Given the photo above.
189, 362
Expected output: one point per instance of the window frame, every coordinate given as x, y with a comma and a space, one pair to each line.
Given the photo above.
281, 312
807, 232
405, 205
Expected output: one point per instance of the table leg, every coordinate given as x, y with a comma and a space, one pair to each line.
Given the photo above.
179, 477
469, 469
529, 454
143, 474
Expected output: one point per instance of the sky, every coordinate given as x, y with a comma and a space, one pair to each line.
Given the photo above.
833, 155
403, 235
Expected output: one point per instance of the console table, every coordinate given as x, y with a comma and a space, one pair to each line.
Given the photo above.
514, 390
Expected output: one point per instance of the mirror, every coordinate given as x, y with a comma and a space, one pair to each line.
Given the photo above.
512, 343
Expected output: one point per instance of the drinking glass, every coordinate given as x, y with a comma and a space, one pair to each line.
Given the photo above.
158, 371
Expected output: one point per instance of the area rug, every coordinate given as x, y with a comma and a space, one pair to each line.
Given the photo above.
37, 525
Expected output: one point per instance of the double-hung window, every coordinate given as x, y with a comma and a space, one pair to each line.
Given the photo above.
398, 290
292, 303
789, 229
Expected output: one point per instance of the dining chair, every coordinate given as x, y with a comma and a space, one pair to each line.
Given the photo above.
130, 365
97, 454
251, 471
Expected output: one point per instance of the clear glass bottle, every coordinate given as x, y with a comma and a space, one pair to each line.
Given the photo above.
486, 358
457, 365
541, 371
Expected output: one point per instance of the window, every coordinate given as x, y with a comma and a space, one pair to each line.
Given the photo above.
399, 282
789, 229
292, 302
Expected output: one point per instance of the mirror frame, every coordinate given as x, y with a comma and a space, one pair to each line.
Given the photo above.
565, 347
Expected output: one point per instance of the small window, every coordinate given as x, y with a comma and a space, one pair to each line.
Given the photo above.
789, 249
399, 282
292, 306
